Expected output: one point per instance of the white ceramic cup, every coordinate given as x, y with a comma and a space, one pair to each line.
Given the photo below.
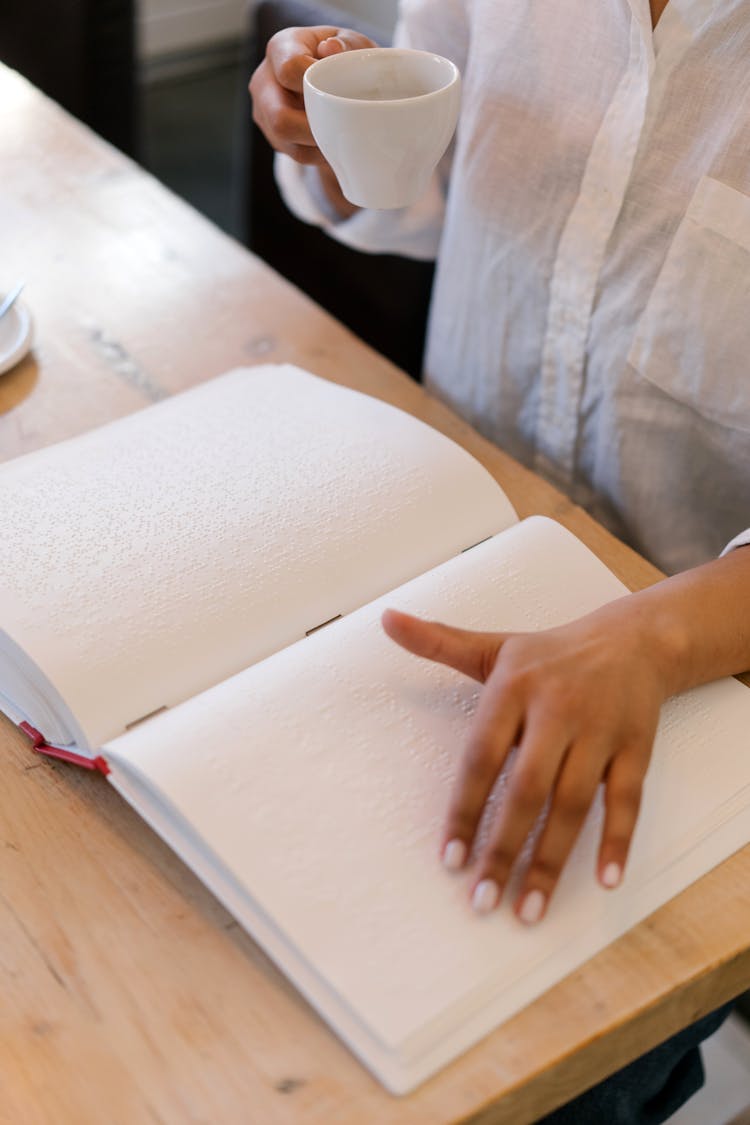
382, 117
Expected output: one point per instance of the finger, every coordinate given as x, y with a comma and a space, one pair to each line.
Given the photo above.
304, 154
474, 654
494, 733
622, 798
292, 51
281, 116
333, 46
533, 775
574, 792
344, 40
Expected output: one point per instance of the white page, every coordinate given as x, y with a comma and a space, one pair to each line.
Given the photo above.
318, 782
154, 557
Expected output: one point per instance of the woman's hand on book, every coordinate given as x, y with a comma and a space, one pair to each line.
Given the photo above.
581, 704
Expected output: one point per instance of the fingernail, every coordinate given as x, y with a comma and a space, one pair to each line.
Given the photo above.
486, 896
532, 908
611, 875
454, 855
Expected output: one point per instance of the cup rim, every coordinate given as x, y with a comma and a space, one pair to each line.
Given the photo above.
309, 83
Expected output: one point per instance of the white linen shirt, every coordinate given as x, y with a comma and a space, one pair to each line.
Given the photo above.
591, 309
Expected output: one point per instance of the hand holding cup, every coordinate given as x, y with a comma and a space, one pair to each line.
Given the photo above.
276, 85
375, 120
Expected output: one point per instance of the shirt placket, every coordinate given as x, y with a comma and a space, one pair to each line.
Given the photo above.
580, 256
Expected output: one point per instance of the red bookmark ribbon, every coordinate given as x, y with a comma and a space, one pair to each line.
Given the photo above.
43, 747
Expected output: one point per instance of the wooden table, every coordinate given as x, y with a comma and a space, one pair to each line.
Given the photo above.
129, 994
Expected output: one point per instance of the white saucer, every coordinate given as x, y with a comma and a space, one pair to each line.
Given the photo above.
15, 336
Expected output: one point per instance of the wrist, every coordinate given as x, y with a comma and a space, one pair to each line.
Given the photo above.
658, 637
698, 622
667, 635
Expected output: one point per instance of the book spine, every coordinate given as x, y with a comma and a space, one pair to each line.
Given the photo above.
41, 746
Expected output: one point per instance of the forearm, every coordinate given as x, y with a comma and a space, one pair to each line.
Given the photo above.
697, 622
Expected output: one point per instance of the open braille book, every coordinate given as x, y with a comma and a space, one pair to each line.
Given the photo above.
190, 602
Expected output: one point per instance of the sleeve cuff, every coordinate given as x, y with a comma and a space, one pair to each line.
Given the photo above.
413, 232
741, 540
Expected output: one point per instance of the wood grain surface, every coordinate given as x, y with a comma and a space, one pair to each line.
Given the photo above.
129, 994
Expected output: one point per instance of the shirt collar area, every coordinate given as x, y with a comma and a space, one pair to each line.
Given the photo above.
678, 25
679, 16
641, 12
641, 35
680, 21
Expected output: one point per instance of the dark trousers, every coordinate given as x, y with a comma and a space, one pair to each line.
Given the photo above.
650, 1089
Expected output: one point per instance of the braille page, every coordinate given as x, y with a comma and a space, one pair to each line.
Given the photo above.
309, 793
149, 559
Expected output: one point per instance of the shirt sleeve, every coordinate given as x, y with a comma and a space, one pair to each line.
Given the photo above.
414, 232
741, 540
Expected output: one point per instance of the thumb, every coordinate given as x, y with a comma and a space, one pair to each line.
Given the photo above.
472, 653
343, 40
